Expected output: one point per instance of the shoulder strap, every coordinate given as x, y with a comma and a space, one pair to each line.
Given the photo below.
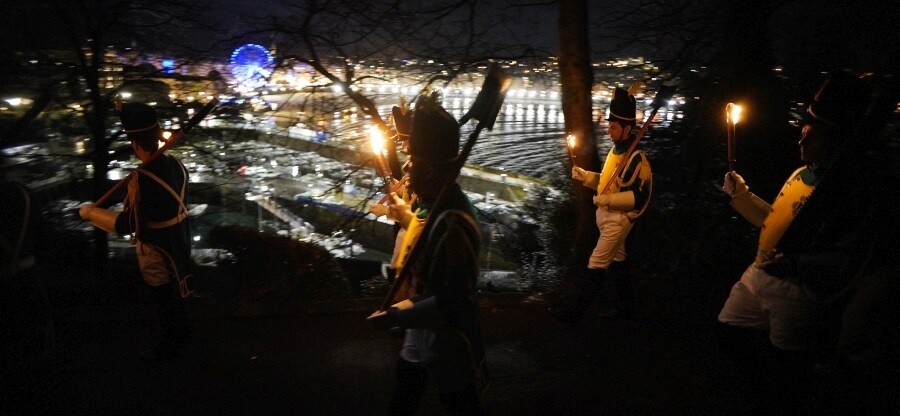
472, 228
634, 174
634, 177
182, 210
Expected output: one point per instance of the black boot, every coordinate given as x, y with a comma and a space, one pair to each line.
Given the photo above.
173, 322
746, 348
748, 352
580, 298
624, 298
791, 378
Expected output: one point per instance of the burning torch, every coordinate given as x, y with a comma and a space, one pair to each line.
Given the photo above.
732, 115
376, 140
570, 144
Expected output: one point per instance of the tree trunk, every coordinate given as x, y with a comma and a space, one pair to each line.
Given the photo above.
95, 118
577, 81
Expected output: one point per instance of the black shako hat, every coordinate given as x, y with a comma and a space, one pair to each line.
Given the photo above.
139, 121
840, 102
622, 107
434, 135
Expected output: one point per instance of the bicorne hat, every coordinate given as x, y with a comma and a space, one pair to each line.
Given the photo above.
434, 135
840, 102
622, 107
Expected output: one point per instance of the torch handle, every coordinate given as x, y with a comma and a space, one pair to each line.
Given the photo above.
394, 188
731, 160
387, 184
572, 155
383, 171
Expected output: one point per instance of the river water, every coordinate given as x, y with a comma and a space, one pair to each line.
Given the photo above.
528, 137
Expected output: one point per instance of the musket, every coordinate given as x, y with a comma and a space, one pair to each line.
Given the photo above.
662, 97
175, 138
485, 109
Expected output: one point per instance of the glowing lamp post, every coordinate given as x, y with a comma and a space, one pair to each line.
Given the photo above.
570, 145
732, 116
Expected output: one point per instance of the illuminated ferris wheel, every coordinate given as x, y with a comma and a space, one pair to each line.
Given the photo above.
251, 65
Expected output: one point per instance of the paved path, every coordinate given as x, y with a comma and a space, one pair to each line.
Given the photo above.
335, 364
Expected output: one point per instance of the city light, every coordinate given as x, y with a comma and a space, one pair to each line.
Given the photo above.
264, 107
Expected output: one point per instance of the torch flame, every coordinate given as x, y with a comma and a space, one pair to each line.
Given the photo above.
570, 142
376, 140
733, 111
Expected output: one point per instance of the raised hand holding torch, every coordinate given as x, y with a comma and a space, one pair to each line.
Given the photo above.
732, 115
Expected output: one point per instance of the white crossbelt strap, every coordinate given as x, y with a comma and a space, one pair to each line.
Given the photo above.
182, 210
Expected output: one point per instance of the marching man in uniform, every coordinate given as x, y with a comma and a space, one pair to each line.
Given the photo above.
155, 214
443, 342
780, 294
620, 201
402, 215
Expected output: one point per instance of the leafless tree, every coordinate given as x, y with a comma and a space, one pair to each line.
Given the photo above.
577, 83
340, 39
83, 32
348, 44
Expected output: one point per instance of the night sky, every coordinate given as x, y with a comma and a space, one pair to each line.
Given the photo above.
858, 34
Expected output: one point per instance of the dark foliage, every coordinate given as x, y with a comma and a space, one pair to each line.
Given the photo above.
268, 265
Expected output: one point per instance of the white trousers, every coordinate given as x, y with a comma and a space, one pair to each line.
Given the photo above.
784, 308
614, 228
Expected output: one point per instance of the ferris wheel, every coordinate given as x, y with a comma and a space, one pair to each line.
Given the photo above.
251, 65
